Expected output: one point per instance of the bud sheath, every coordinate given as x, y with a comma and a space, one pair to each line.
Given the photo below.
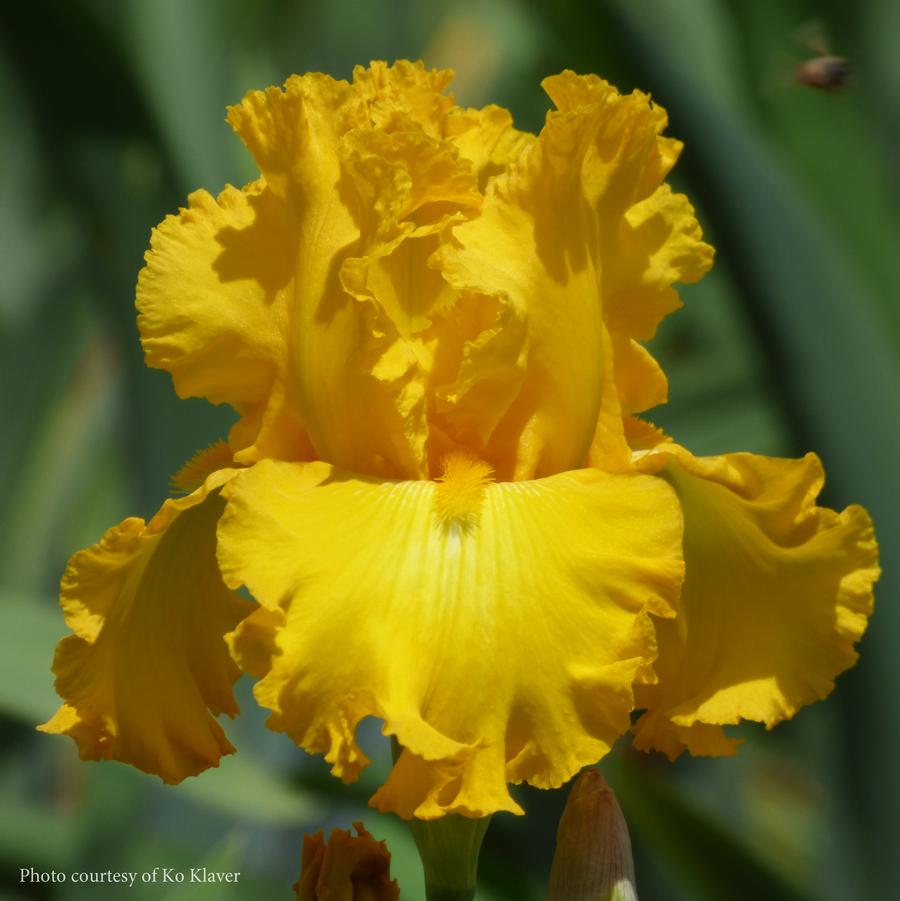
593, 850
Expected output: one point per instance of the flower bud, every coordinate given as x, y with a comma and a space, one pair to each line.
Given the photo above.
593, 851
345, 868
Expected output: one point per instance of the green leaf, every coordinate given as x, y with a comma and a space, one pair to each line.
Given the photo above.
712, 860
39, 836
242, 787
29, 631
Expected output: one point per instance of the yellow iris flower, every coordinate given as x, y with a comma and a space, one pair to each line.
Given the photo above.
437, 491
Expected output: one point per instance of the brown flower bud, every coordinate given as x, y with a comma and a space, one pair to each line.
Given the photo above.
345, 868
593, 851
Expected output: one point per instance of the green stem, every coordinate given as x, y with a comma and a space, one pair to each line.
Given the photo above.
448, 848
449, 894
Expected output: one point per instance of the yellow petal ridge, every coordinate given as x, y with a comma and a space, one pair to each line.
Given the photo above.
461, 489
203, 464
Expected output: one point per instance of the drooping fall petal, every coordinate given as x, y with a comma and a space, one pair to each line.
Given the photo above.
496, 628
148, 668
777, 591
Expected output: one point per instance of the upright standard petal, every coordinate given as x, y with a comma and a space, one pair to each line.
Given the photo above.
214, 310
307, 300
364, 304
375, 175
577, 239
496, 628
148, 667
777, 591
295, 135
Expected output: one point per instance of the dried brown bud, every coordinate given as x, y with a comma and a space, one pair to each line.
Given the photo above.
593, 851
345, 868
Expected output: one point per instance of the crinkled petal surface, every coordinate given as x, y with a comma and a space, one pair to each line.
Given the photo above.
777, 591
305, 300
408, 278
148, 667
214, 310
500, 645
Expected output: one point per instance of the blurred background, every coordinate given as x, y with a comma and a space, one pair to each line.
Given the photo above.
110, 113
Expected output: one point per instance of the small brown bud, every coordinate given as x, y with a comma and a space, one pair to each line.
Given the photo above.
345, 868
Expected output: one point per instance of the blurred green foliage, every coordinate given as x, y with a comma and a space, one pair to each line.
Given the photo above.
111, 113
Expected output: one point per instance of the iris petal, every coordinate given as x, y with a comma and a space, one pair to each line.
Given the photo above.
213, 309
409, 277
583, 245
777, 591
308, 300
500, 645
148, 666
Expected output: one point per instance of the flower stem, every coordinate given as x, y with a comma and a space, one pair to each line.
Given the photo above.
448, 847
442, 894
449, 850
